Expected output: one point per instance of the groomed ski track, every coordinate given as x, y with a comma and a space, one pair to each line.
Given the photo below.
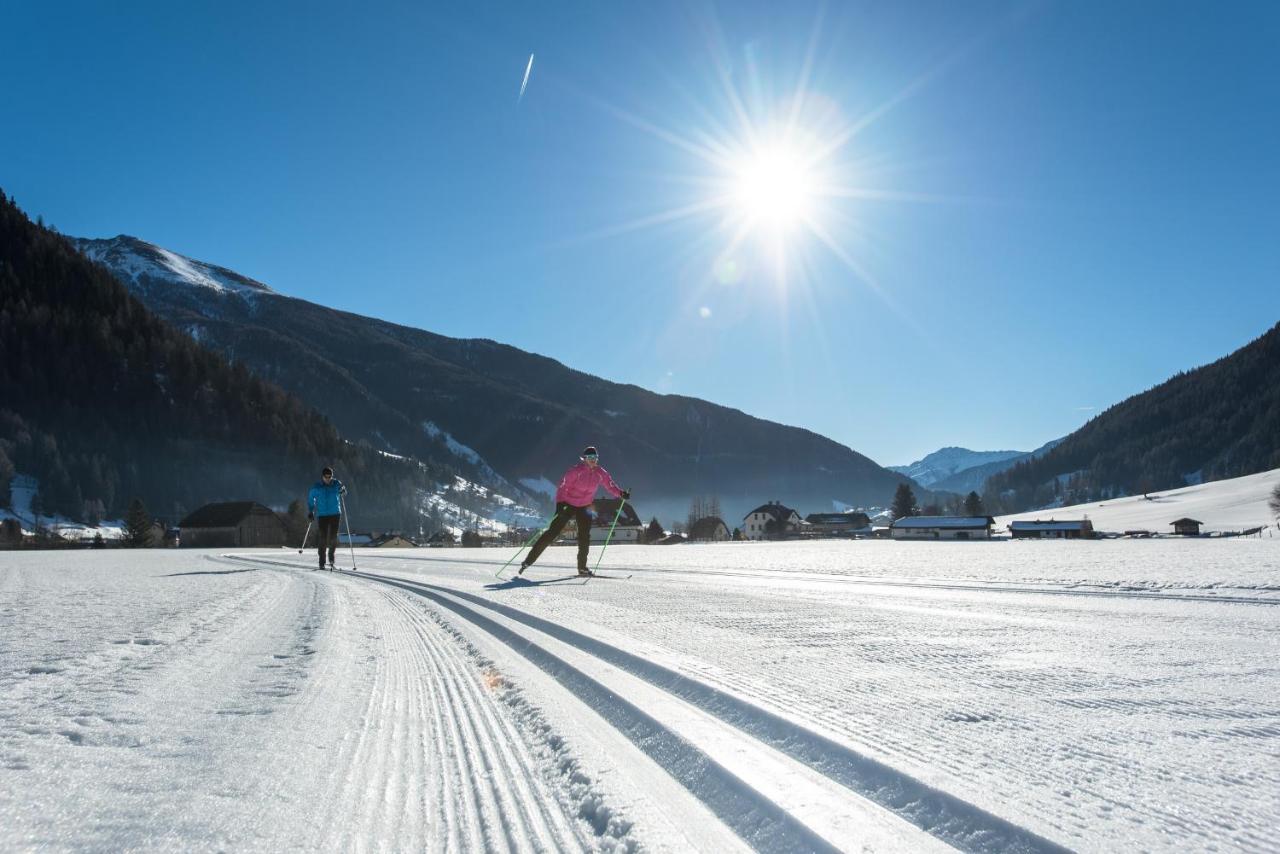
587, 669
763, 699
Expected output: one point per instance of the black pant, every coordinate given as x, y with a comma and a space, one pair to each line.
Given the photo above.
327, 536
565, 512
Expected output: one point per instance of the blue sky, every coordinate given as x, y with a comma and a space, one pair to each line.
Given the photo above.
1024, 212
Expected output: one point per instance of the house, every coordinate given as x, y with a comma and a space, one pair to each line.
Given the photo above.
231, 524
393, 541
629, 528
838, 524
942, 528
442, 539
1186, 527
711, 529
770, 521
1053, 529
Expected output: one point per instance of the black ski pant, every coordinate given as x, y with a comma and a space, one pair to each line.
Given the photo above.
565, 513
327, 536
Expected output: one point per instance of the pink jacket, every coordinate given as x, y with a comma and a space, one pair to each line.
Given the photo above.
578, 487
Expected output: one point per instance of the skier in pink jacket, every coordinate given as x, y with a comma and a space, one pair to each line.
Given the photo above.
574, 495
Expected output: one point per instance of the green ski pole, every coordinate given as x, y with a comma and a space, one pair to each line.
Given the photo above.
525, 546
621, 504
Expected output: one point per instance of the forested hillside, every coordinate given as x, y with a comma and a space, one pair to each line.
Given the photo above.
102, 401
1215, 422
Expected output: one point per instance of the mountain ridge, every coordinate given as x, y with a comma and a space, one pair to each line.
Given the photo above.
524, 414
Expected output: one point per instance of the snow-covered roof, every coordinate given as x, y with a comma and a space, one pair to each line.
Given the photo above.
854, 518
949, 522
775, 509
1049, 525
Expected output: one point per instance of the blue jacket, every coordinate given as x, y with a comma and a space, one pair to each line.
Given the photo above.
322, 500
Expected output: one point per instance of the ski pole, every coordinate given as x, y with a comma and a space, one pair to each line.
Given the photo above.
525, 546
303, 547
350, 543
622, 503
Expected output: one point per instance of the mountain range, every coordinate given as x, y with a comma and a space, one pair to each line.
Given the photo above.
501, 415
961, 471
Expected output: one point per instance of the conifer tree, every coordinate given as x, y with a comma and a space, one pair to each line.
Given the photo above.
904, 502
654, 532
973, 505
137, 526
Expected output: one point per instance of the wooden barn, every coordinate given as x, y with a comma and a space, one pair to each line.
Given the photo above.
231, 524
1052, 529
837, 524
709, 529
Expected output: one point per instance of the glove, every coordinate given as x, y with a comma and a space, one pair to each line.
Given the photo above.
311, 517
625, 494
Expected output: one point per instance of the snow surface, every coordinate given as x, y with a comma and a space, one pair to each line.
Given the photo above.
839, 695
1236, 504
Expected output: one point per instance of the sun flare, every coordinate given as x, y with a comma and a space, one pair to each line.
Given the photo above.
773, 187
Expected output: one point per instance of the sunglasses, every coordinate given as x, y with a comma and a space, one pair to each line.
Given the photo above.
591, 457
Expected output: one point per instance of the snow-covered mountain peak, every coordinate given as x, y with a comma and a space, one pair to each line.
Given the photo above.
945, 462
146, 263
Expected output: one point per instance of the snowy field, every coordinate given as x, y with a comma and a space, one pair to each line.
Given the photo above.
1237, 504
987, 696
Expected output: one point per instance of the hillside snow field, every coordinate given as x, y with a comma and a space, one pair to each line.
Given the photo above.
1237, 504
862, 695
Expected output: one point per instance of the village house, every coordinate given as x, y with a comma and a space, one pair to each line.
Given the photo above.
628, 530
1186, 527
770, 521
1053, 529
392, 540
233, 523
942, 528
837, 524
709, 529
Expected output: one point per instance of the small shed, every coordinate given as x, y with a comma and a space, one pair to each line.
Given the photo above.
942, 528
233, 523
1186, 527
711, 529
1052, 529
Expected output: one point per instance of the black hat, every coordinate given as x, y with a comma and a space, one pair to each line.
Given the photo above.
326, 470
590, 451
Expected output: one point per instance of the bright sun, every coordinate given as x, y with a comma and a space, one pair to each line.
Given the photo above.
773, 187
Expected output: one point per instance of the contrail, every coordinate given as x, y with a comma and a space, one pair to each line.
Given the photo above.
525, 82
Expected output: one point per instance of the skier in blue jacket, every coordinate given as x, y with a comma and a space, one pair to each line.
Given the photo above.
324, 505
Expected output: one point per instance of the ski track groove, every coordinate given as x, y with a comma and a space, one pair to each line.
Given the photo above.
815, 576
948, 818
485, 788
498, 737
